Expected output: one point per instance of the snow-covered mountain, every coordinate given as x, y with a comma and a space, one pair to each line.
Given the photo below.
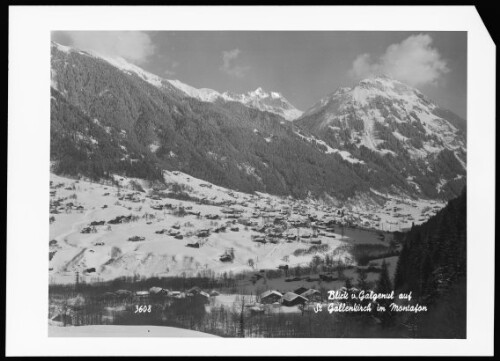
384, 102
203, 94
380, 135
381, 117
272, 102
111, 116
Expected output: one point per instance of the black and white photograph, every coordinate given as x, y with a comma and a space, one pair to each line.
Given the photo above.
257, 184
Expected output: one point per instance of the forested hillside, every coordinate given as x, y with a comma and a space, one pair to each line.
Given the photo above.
113, 117
433, 265
104, 118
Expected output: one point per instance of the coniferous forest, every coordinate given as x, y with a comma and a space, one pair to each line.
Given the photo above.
433, 264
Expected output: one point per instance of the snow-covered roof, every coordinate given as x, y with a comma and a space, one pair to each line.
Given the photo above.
309, 292
202, 293
290, 296
270, 292
156, 290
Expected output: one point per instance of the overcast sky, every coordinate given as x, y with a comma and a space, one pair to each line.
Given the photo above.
303, 66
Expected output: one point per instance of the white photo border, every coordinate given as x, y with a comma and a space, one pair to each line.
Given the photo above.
28, 170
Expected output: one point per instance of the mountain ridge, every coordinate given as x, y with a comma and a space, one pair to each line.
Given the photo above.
388, 118
272, 101
152, 125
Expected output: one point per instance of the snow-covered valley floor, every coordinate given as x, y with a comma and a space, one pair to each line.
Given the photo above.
104, 231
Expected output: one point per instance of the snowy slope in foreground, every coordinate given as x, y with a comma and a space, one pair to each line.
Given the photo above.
123, 331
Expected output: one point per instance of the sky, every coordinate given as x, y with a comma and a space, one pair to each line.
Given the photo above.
304, 66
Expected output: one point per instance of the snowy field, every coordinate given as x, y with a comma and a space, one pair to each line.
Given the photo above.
123, 331
154, 240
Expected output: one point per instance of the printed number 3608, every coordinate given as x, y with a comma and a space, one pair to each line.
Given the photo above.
142, 308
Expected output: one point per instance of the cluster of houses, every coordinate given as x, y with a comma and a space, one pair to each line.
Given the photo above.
155, 292
297, 297
277, 226
62, 204
132, 197
57, 206
288, 213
